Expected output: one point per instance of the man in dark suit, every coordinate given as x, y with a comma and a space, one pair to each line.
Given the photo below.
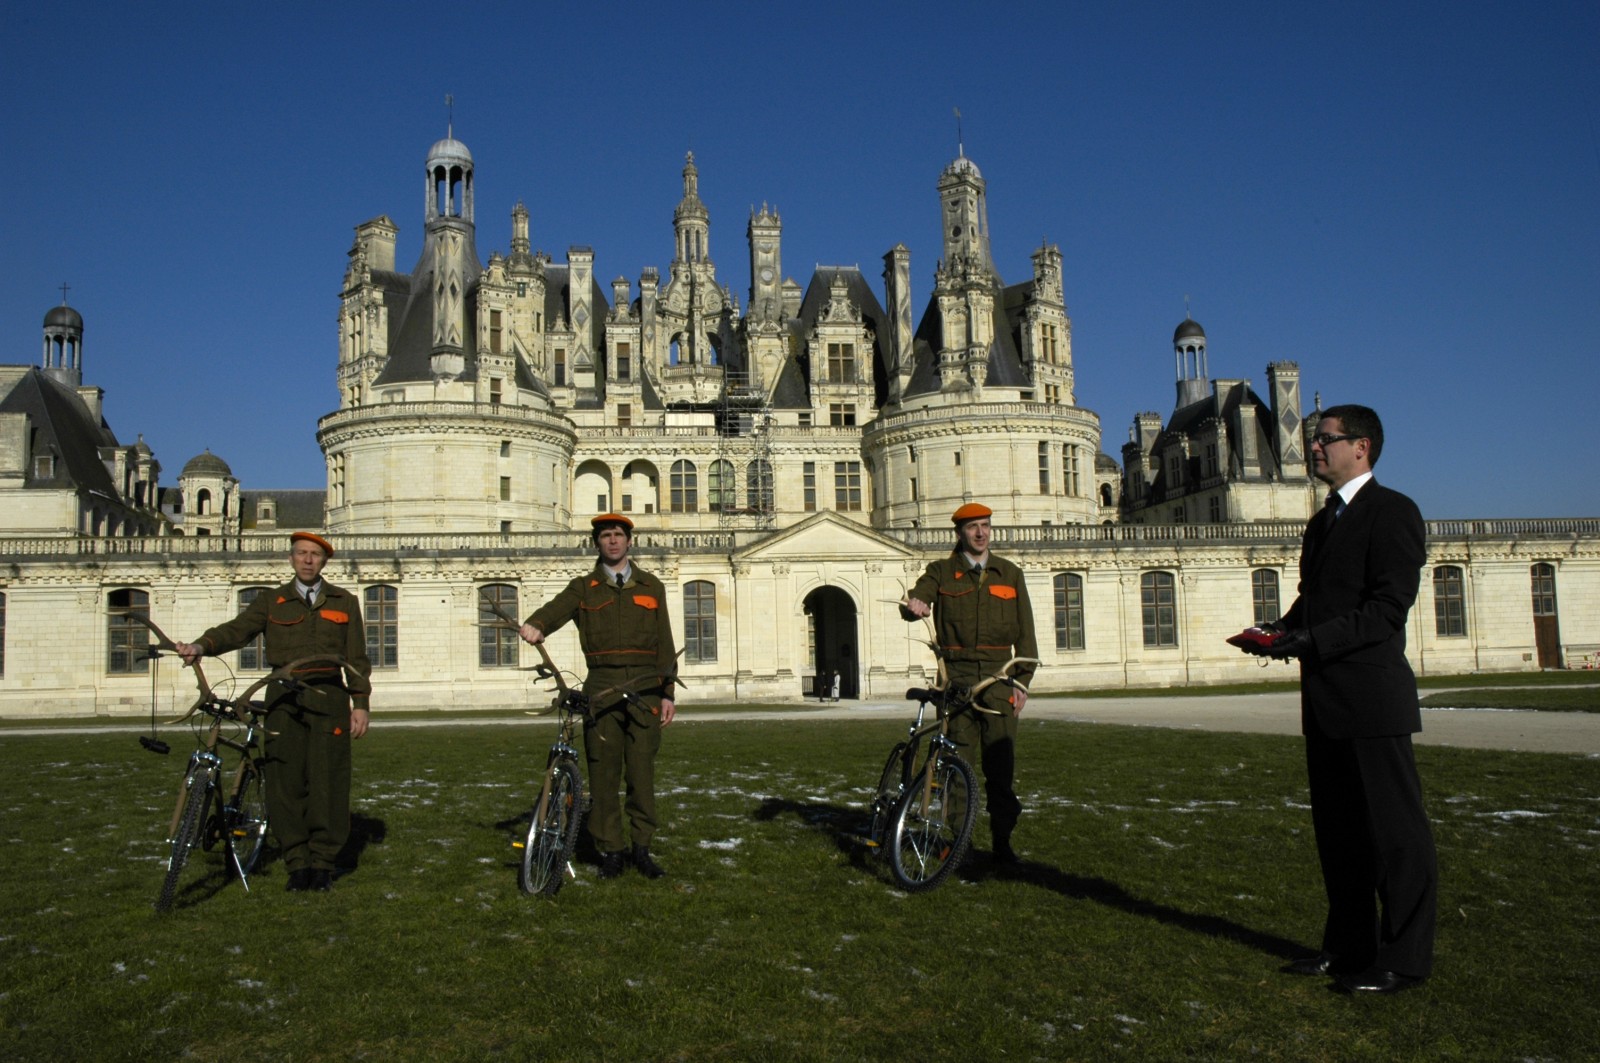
1360, 563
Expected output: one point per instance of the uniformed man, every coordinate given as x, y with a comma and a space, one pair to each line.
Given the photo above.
308, 729
982, 618
626, 635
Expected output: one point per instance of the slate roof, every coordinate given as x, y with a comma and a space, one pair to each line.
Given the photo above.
62, 426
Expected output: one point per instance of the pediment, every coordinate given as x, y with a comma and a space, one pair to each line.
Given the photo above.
827, 536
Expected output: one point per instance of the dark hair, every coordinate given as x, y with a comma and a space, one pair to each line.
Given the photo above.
1360, 421
594, 533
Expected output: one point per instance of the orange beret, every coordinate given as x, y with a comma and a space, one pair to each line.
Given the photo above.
605, 519
327, 547
971, 511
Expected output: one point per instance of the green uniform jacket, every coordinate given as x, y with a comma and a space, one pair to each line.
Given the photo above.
979, 626
294, 630
619, 627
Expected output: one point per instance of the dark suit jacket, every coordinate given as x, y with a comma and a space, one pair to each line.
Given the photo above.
1358, 579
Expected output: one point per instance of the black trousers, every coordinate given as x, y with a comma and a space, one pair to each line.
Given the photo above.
1379, 866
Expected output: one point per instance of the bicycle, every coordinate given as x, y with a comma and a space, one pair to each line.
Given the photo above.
204, 815
558, 813
927, 813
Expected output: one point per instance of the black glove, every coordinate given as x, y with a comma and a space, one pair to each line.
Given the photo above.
1296, 643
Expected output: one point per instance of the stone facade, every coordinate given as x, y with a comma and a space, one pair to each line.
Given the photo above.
791, 466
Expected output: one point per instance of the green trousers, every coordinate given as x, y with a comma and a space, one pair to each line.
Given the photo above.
620, 747
308, 784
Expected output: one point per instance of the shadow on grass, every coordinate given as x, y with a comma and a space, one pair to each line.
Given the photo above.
1105, 892
847, 827
364, 831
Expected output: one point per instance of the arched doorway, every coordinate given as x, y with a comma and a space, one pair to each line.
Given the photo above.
831, 627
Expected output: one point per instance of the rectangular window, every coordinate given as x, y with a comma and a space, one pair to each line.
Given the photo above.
1069, 611
842, 363
253, 654
494, 391
494, 332
699, 622
505, 488
847, 486
1158, 599
804, 420
1044, 468
497, 644
381, 611
561, 367
624, 361
1214, 507
1449, 602
913, 489
1264, 595
1074, 484
624, 415
808, 485
2, 634
841, 414
627, 503
127, 640
505, 448
44, 467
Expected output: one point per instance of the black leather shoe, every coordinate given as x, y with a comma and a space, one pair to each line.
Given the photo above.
299, 880
1376, 981
1004, 855
321, 880
647, 866
611, 864
1321, 963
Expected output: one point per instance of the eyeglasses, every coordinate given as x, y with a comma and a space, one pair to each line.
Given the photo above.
1324, 440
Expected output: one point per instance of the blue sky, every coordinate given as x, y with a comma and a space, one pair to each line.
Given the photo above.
1402, 197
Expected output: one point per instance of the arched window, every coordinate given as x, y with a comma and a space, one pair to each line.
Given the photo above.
722, 488
685, 487
127, 640
497, 644
699, 621
1158, 600
253, 654
1069, 611
381, 611
202, 501
758, 485
1264, 595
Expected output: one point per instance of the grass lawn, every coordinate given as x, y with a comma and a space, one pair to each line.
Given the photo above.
1168, 875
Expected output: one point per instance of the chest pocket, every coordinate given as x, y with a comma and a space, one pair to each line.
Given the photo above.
646, 601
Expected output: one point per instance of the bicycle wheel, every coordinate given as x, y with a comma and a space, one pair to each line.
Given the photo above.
247, 821
197, 793
891, 783
929, 842
554, 833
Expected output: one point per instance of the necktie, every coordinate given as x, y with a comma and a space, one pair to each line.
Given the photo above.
619, 579
1336, 503
310, 597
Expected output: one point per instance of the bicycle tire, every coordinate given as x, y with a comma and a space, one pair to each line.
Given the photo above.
246, 820
197, 792
927, 846
553, 834
891, 784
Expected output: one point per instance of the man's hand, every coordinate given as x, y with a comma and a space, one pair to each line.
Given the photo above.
1019, 698
1296, 643
189, 651
358, 722
669, 711
917, 607
530, 634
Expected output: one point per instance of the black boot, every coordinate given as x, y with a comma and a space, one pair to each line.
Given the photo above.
1004, 855
647, 866
611, 864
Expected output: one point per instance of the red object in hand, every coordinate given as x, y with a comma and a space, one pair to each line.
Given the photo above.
1252, 638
